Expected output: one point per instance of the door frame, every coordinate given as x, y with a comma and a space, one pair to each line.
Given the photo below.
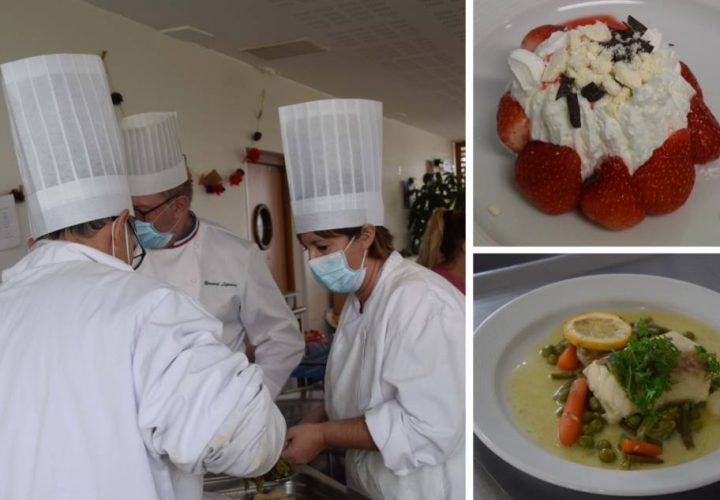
273, 159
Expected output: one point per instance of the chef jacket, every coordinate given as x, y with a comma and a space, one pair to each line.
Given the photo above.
229, 277
110, 379
399, 362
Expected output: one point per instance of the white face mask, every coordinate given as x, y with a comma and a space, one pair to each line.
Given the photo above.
127, 242
334, 273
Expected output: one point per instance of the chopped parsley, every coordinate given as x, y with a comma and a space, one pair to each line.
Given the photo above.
710, 359
643, 369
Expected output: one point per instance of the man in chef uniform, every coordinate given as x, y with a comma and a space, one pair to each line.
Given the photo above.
110, 381
395, 381
226, 274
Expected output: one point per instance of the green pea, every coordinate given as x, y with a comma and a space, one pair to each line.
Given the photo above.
594, 404
586, 442
558, 349
588, 429
690, 335
552, 359
606, 455
603, 443
587, 417
546, 351
633, 421
597, 425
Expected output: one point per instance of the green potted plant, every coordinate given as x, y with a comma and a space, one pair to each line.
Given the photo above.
438, 190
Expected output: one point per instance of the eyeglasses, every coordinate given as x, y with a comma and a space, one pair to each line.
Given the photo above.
144, 213
141, 256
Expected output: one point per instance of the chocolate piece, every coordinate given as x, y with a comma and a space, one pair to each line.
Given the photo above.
636, 25
644, 46
574, 110
566, 84
592, 92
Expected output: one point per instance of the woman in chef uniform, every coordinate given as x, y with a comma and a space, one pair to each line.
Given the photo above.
394, 388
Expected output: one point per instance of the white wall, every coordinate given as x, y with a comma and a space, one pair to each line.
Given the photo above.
215, 96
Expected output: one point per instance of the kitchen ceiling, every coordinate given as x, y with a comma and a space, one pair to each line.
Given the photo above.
409, 54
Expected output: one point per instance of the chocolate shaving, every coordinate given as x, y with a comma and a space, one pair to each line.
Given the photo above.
644, 46
592, 92
636, 25
566, 84
574, 110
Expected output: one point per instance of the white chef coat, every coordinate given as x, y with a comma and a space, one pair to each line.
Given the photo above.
108, 379
400, 363
229, 277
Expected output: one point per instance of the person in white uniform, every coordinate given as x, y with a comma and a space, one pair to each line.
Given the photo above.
223, 272
394, 387
111, 382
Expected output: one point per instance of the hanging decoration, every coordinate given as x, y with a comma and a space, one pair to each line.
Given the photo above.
237, 177
116, 97
18, 193
213, 182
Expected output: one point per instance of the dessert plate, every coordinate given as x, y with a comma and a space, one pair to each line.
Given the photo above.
504, 340
499, 27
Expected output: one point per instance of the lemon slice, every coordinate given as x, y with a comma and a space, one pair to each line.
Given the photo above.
597, 330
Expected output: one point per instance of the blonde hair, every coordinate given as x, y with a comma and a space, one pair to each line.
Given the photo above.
443, 239
429, 254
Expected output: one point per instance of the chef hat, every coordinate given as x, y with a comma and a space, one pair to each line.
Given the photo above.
67, 140
333, 152
152, 150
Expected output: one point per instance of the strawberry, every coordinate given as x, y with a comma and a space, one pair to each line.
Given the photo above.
513, 126
538, 35
610, 200
549, 176
690, 78
664, 182
704, 132
611, 21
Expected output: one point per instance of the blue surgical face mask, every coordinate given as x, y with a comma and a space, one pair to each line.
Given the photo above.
334, 273
150, 237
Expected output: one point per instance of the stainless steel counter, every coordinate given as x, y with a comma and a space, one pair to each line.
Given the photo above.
304, 483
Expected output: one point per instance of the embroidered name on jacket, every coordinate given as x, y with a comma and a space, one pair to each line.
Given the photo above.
217, 283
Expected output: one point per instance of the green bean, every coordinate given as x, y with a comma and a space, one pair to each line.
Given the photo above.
562, 397
563, 375
685, 430
639, 459
603, 443
625, 462
552, 359
586, 442
594, 404
606, 455
558, 349
563, 389
690, 335
546, 351
559, 410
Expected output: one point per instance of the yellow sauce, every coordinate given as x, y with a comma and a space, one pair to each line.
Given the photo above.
530, 396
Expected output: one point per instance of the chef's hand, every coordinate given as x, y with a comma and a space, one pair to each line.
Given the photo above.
303, 443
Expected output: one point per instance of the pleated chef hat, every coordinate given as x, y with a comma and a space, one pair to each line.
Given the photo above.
152, 150
67, 140
333, 152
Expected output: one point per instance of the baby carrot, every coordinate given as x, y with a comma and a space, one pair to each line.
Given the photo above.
571, 418
568, 360
637, 447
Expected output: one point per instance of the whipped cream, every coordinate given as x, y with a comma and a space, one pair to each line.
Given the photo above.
644, 97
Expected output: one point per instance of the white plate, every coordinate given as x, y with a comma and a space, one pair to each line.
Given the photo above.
692, 25
505, 339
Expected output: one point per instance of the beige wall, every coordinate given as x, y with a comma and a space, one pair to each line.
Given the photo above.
215, 97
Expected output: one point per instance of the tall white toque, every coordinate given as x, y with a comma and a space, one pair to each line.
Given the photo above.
153, 153
67, 140
333, 153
